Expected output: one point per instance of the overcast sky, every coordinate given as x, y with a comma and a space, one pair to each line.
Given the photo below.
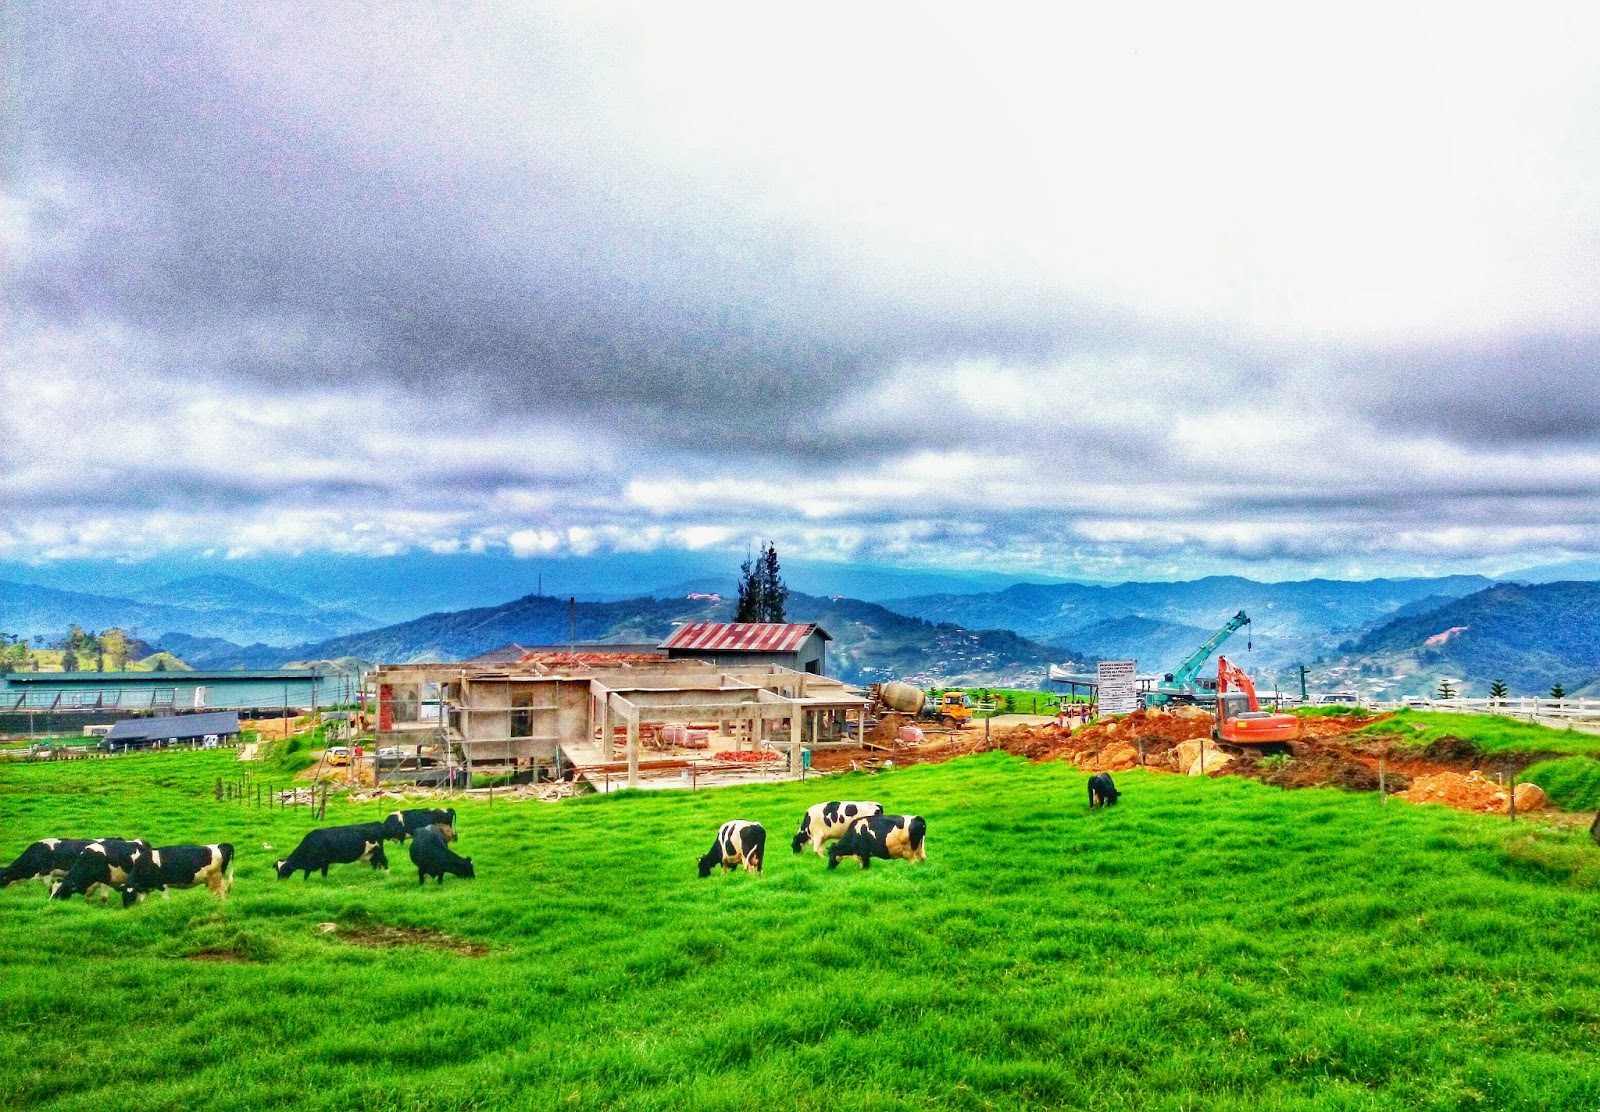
1146, 293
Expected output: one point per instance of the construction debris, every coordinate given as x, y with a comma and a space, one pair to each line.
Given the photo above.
1472, 792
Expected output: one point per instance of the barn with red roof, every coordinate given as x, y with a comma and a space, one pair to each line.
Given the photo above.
802, 646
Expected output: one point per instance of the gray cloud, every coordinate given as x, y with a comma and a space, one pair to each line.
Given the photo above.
472, 235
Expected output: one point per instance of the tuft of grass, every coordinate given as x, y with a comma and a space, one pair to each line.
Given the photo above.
1490, 733
1204, 944
1572, 783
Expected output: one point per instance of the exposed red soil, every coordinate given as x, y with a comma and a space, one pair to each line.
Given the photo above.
382, 936
1451, 770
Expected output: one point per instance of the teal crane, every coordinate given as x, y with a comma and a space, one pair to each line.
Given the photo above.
1179, 686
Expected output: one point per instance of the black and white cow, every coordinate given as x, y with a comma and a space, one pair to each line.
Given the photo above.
1102, 792
824, 822
737, 842
885, 836
47, 859
104, 863
433, 858
335, 845
400, 825
167, 867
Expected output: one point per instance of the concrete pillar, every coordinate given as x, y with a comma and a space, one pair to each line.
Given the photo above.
633, 750
608, 732
796, 726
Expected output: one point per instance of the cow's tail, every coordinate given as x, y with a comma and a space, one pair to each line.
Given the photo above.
917, 829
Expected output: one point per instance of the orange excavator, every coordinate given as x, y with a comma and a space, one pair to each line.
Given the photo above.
1241, 720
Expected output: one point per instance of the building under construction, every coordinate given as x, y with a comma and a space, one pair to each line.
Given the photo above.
582, 713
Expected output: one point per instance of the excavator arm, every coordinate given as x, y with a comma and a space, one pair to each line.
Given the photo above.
1230, 675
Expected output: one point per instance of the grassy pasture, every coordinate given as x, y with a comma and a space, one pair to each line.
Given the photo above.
1207, 944
1491, 733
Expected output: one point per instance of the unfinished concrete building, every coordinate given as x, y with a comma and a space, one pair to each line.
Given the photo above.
584, 714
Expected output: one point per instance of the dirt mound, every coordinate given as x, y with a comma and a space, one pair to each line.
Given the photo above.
1312, 766
887, 731
1465, 793
1453, 750
382, 935
1112, 744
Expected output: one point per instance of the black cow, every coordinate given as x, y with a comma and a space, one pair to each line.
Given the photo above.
400, 825
1594, 829
1102, 792
180, 867
433, 858
823, 822
47, 859
885, 836
737, 842
104, 863
335, 845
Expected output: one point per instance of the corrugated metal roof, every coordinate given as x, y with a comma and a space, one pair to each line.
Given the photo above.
181, 725
743, 637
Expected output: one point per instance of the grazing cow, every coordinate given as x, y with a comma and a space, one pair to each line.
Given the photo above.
824, 822
47, 859
737, 841
433, 858
400, 825
335, 845
166, 867
885, 836
104, 863
1102, 792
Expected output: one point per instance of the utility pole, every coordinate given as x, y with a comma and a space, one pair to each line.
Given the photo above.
1302, 669
572, 641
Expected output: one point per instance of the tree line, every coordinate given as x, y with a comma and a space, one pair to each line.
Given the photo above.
82, 650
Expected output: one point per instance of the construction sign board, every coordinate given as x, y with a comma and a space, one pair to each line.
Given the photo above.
1118, 689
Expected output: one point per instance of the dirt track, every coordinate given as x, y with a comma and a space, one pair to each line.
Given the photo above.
1450, 771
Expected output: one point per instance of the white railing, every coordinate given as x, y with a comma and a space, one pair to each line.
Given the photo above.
1526, 706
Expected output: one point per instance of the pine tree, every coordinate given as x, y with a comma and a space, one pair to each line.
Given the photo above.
1497, 690
749, 608
1558, 692
773, 593
1446, 690
762, 594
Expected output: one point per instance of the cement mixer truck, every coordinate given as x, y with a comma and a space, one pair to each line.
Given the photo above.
953, 708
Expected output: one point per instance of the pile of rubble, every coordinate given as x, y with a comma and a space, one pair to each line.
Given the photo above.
1165, 741
1472, 792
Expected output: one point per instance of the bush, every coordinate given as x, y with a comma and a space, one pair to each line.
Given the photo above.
1572, 783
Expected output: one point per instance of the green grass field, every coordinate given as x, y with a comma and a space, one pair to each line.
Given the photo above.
1208, 944
1491, 733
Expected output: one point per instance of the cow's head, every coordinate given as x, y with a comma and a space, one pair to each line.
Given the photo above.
131, 897
467, 870
283, 873
803, 835
709, 861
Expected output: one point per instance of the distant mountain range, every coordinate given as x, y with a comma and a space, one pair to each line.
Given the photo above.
1529, 636
1367, 634
1159, 624
397, 588
871, 643
210, 606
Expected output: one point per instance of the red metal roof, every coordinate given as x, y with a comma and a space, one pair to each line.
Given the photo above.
743, 637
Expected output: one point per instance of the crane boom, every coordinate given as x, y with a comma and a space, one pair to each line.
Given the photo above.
1186, 672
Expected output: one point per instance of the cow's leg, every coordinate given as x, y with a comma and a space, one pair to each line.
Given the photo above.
866, 860
441, 880
165, 894
422, 876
